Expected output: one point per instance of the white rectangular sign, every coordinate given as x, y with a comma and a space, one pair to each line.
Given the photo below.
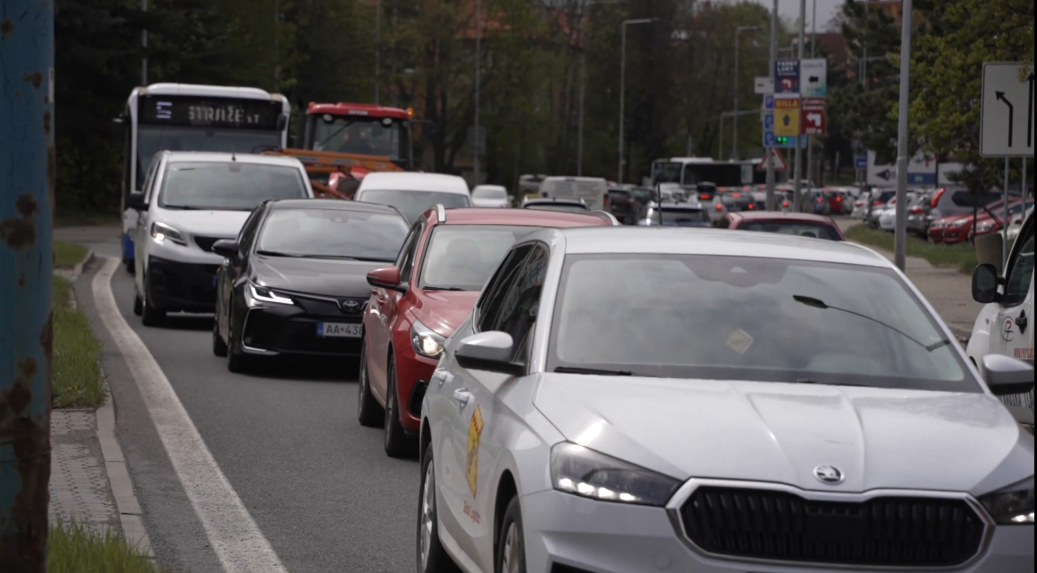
764, 86
1006, 129
813, 78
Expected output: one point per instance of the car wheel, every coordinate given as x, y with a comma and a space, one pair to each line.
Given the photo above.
511, 557
237, 362
138, 305
397, 444
150, 315
369, 412
219, 347
432, 557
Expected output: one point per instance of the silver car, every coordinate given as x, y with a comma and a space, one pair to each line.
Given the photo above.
718, 402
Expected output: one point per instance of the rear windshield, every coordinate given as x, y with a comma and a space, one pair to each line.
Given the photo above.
678, 217
563, 207
333, 234
230, 186
799, 229
413, 203
462, 257
490, 193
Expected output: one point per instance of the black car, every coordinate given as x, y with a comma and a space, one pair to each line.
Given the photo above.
295, 280
623, 206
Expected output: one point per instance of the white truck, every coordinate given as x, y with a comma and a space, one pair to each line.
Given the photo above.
1003, 326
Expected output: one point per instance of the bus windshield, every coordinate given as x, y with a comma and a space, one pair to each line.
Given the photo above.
667, 172
152, 139
381, 137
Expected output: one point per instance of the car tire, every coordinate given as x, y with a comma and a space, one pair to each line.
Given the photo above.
138, 305
369, 412
150, 315
397, 443
431, 556
511, 557
237, 362
130, 266
219, 347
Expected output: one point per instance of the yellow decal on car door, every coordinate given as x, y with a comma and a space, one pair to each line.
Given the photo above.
472, 459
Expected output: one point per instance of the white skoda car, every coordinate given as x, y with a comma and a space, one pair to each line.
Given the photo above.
650, 400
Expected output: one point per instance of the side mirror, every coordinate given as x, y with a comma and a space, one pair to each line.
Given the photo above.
227, 248
491, 352
990, 250
136, 201
1007, 376
985, 282
387, 278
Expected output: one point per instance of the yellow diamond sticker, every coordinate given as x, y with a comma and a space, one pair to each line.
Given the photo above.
472, 459
740, 341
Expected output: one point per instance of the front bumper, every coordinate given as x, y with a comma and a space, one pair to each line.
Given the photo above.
181, 287
411, 372
595, 537
955, 235
294, 329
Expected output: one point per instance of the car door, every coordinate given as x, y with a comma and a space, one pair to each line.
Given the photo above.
384, 310
1014, 334
463, 455
232, 271
140, 234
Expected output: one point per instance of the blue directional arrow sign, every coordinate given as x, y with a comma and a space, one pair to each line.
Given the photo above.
768, 122
768, 102
862, 162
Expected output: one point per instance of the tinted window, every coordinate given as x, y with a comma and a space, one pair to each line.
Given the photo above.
490, 193
492, 299
678, 217
1020, 275
333, 233
462, 257
811, 230
230, 186
730, 318
405, 262
413, 203
248, 231
520, 303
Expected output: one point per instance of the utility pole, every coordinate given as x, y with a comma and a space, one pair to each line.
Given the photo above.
903, 150
144, 45
623, 93
583, 109
26, 255
799, 140
810, 140
771, 206
738, 62
378, 52
478, 91
277, 45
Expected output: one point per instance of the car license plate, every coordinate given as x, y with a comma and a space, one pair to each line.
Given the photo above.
335, 330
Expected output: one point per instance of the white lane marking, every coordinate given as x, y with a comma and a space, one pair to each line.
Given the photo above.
233, 534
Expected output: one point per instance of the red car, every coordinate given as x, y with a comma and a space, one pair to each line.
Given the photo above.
959, 229
416, 305
801, 224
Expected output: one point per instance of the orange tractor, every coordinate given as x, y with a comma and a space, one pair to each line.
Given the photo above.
343, 142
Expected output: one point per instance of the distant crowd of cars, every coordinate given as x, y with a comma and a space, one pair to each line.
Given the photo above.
586, 398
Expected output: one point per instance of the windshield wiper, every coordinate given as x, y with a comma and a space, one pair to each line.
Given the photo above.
446, 289
181, 208
820, 304
277, 254
819, 383
591, 371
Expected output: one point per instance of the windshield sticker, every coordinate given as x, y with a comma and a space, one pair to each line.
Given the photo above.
472, 459
740, 341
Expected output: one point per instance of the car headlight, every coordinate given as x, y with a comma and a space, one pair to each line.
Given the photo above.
586, 473
983, 228
962, 223
263, 294
162, 233
1013, 508
426, 342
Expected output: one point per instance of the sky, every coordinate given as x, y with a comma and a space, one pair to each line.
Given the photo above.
826, 9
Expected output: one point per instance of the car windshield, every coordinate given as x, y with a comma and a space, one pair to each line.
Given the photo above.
153, 139
229, 186
361, 136
463, 257
797, 228
490, 193
333, 234
564, 207
749, 319
413, 203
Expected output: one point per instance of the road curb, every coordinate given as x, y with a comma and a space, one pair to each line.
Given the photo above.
130, 515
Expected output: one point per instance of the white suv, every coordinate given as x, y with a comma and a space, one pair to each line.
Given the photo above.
189, 201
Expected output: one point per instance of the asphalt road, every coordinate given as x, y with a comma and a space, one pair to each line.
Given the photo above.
317, 484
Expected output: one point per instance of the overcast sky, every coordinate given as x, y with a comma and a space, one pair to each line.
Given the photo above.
826, 9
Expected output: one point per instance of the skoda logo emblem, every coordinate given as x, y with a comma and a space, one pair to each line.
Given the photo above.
350, 306
830, 475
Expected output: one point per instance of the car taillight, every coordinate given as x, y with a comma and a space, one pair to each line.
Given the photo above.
607, 201
752, 206
785, 204
936, 198
877, 202
736, 195
747, 189
704, 197
820, 200
720, 207
916, 210
859, 204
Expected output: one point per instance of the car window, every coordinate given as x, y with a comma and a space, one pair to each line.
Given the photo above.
333, 234
149, 181
229, 186
491, 301
521, 302
406, 259
462, 257
248, 231
729, 318
1020, 274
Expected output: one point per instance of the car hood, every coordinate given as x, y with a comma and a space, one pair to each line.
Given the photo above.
780, 433
332, 278
444, 311
218, 224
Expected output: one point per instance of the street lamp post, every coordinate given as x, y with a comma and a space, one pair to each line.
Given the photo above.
478, 91
623, 91
771, 176
378, 52
738, 62
900, 237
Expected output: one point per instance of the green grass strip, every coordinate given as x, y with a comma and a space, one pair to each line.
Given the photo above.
78, 379
68, 255
961, 256
73, 548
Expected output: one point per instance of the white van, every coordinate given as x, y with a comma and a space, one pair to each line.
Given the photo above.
592, 191
414, 193
1003, 326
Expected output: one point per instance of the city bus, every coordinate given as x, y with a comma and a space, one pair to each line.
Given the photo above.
689, 172
182, 117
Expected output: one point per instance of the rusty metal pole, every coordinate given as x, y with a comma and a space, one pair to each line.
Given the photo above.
27, 164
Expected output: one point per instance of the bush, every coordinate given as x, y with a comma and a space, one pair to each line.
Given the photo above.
73, 548
78, 379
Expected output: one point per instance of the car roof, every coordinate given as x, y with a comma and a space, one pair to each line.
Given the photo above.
677, 241
211, 157
332, 205
414, 182
518, 218
782, 216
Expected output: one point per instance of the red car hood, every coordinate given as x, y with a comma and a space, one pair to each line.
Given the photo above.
444, 311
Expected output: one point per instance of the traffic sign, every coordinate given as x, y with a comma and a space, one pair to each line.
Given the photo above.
764, 86
786, 74
768, 101
782, 141
1007, 123
813, 78
862, 162
775, 158
786, 116
815, 119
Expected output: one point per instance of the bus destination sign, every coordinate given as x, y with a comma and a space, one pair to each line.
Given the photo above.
228, 113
